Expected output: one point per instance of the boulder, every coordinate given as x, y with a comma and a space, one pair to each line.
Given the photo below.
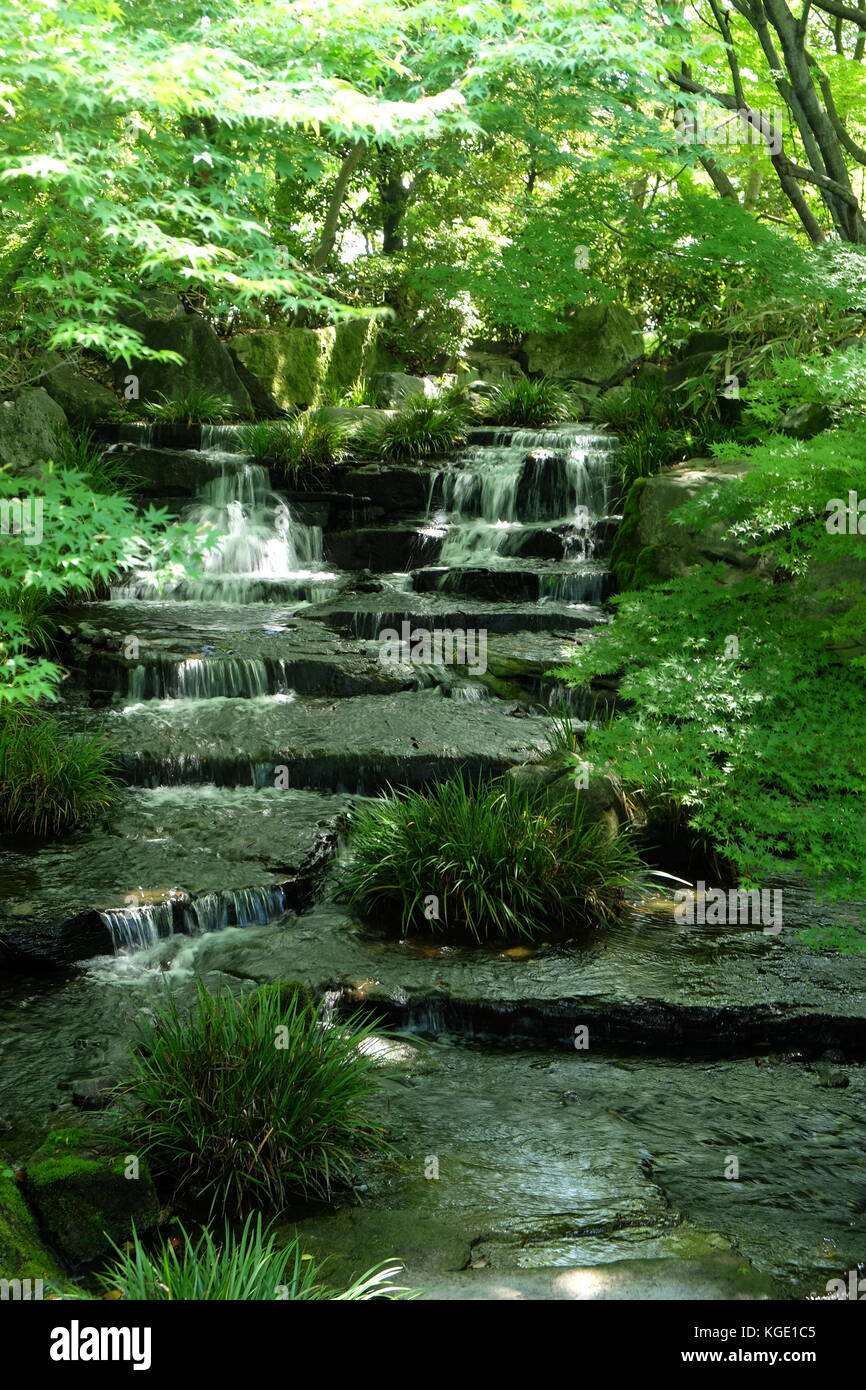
651, 547
31, 428
600, 802
82, 399
490, 367
595, 340
698, 364
296, 367
86, 1198
805, 420
395, 388
207, 366
22, 1255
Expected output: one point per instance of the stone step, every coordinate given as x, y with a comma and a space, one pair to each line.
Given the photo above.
166, 861
361, 745
139, 651
581, 581
367, 615
383, 549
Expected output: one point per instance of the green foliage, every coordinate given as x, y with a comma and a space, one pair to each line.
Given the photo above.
193, 407
501, 861
50, 781
250, 1266
659, 426
305, 450
747, 738
528, 403
77, 536
251, 1100
422, 428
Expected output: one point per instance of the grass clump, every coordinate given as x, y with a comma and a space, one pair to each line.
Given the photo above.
246, 1267
527, 402
192, 407
422, 428
305, 450
500, 861
252, 1100
50, 781
103, 472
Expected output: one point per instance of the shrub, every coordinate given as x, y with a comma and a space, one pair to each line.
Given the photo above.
252, 1098
50, 781
192, 407
421, 429
501, 861
531, 403
304, 449
248, 1267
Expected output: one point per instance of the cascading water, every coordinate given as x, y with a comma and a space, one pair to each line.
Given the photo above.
203, 678
558, 476
260, 542
137, 928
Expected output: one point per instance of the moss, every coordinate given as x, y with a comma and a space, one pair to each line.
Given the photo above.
299, 366
290, 990
22, 1254
84, 1198
626, 545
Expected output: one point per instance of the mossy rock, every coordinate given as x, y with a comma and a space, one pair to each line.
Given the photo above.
22, 1254
627, 546
292, 990
300, 366
85, 1197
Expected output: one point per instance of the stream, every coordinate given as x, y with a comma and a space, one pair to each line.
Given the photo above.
248, 706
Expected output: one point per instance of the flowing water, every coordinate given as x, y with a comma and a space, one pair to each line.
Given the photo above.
247, 705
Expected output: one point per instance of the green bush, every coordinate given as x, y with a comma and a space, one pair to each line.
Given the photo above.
192, 407
252, 1099
739, 739
422, 428
501, 862
305, 450
250, 1267
530, 403
50, 781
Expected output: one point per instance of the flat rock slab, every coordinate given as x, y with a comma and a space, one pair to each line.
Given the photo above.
712, 1277
517, 1167
156, 844
643, 984
366, 615
358, 745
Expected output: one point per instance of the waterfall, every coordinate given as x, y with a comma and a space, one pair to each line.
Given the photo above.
136, 928
207, 678
559, 475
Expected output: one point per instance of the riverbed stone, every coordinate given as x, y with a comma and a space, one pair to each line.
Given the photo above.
86, 1198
